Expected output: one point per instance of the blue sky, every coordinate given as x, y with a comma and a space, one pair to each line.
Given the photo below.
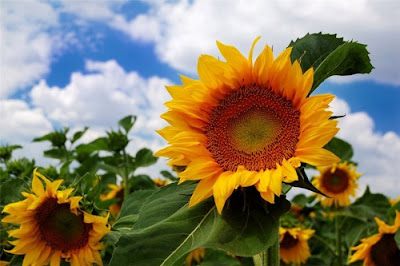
79, 63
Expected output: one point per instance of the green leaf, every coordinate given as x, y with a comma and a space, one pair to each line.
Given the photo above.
56, 153
167, 230
78, 135
300, 200
370, 205
99, 144
139, 182
312, 49
144, 157
11, 190
340, 148
57, 138
348, 59
168, 175
304, 182
330, 56
130, 209
127, 122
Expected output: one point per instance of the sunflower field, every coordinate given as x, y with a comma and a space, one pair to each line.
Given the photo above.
239, 139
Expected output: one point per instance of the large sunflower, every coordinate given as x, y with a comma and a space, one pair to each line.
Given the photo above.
52, 226
338, 181
294, 244
243, 124
381, 248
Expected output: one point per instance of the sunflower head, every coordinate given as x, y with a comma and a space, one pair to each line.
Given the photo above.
53, 227
245, 124
294, 246
381, 248
195, 256
160, 182
339, 181
116, 192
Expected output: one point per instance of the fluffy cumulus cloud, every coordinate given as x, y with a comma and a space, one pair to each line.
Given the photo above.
103, 95
376, 153
182, 30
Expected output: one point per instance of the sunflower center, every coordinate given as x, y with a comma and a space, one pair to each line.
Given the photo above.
288, 241
335, 182
60, 228
253, 127
385, 251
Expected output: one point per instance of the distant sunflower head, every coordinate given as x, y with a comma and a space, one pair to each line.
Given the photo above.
245, 124
381, 248
195, 256
339, 181
160, 182
294, 246
116, 192
52, 226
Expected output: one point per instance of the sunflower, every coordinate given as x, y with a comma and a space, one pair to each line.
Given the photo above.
294, 244
160, 182
381, 248
245, 125
116, 192
394, 201
52, 226
337, 181
196, 255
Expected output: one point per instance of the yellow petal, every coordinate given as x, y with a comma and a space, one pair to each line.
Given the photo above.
316, 156
56, 258
276, 180
200, 168
223, 189
204, 190
261, 69
37, 186
250, 60
289, 172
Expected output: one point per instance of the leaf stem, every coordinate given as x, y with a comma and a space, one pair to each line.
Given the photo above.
320, 239
270, 256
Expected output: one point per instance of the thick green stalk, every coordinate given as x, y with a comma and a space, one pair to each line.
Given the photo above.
126, 176
338, 240
269, 257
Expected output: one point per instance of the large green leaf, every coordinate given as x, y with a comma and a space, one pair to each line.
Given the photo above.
330, 56
99, 144
166, 229
340, 148
312, 49
130, 209
370, 205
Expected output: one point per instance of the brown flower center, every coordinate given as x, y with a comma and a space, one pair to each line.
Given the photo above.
253, 127
288, 241
335, 182
60, 228
385, 251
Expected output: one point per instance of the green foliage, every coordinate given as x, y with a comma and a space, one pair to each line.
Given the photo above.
57, 138
166, 218
6, 151
340, 148
330, 56
127, 123
144, 157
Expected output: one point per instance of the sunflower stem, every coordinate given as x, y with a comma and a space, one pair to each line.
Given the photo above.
269, 257
126, 176
338, 240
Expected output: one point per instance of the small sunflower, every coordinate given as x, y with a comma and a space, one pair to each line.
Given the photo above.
394, 201
52, 226
245, 125
116, 192
381, 248
160, 182
294, 244
338, 181
195, 256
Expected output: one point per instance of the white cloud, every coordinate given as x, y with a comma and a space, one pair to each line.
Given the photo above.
182, 30
376, 153
26, 47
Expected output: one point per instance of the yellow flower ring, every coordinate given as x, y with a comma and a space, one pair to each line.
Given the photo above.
294, 246
245, 125
338, 181
52, 227
381, 248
